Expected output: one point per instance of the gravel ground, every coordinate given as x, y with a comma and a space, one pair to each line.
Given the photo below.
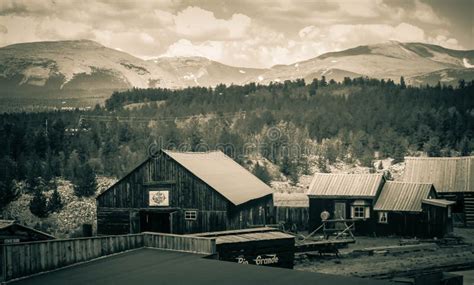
389, 264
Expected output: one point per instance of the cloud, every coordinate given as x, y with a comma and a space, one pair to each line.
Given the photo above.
194, 22
424, 13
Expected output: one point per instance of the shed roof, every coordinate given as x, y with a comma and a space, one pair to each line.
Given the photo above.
294, 200
223, 174
345, 185
5, 224
448, 174
438, 202
402, 196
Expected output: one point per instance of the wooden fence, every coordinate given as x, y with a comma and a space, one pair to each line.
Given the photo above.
183, 243
24, 259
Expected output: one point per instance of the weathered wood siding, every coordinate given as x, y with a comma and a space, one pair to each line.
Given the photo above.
318, 205
182, 243
118, 208
254, 212
289, 216
25, 259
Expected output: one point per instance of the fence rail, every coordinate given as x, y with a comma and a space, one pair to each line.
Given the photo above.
24, 259
180, 243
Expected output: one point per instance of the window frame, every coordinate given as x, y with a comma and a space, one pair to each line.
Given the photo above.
381, 214
190, 215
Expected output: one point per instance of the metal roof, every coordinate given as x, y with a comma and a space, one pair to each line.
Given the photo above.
345, 185
294, 200
223, 174
438, 202
403, 196
447, 174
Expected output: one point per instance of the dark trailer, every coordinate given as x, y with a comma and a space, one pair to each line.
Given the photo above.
411, 209
184, 192
345, 196
453, 179
258, 246
12, 232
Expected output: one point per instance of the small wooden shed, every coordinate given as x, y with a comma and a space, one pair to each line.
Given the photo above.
453, 178
292, 210
345, 196
411, 209
12, 232
184, 192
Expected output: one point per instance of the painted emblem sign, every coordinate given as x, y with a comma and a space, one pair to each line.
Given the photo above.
159, 198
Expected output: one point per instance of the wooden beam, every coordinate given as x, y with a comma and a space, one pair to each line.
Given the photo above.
159, 183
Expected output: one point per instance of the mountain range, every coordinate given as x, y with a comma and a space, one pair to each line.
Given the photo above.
60, 67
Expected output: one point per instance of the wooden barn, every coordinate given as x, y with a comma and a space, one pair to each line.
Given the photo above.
292, 210
12, 232
452, 177
346, 197
411, 209
184, 192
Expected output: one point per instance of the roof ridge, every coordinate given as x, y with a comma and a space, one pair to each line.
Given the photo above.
408, 182
438, 158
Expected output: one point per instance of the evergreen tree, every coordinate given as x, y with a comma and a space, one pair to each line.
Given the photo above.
285, 165
380, 166
86, 184
55, 203
38, 205
8, 193
464, 147
294, 177
322, 165
262, 173
432, 147
402, 83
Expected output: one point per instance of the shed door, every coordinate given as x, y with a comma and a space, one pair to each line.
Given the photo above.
339, 210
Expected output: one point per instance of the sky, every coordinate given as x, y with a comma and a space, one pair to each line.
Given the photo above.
247, 33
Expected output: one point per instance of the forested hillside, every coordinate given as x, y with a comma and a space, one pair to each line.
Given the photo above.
294, 125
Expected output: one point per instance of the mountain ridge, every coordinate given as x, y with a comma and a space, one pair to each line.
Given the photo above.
58, 66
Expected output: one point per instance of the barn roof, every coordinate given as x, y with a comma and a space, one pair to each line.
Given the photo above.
345, 185
402, 196
448, 174
294, 200
223, 174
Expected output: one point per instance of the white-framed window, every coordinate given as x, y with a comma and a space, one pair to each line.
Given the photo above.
190, 215
383, 217
360, 210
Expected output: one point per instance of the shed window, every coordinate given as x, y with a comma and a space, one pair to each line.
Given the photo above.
360, 210
383, 217
190, 215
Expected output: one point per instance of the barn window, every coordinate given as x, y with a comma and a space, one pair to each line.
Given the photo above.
190, 215
383, 217
360, 210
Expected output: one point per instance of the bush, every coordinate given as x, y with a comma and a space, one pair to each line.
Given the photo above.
38, 206
55, 204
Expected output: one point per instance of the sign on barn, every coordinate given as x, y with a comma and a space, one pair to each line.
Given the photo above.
159, 198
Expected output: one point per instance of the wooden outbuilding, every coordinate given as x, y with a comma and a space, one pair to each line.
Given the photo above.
12, 232
292, 210
345, 196
413, 210
184, 192
259, 246
453, 178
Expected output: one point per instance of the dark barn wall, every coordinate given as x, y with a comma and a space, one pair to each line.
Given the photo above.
130, 196
298, 216
318, 205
